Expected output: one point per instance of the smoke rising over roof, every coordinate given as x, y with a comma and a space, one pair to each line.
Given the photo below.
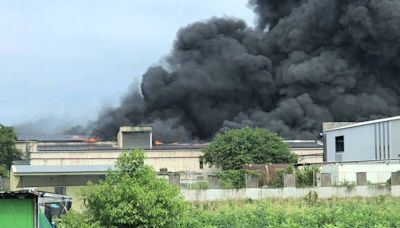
306, 62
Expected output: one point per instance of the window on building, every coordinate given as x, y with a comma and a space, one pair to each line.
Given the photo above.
163, 170
60, 190
201, 164
339, 143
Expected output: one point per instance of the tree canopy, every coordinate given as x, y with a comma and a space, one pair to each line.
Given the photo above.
8, 151
234, 148
133, 196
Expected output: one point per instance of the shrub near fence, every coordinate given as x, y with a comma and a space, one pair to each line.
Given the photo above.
230, 179
235, 179
305, 177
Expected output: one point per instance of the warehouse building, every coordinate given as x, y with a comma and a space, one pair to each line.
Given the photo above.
162, 157
64, 166
375, 140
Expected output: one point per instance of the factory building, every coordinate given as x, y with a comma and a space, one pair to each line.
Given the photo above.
89, 152
64, 166
365, 141
174, 157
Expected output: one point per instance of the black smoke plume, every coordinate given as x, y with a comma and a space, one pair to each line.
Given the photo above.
306, 62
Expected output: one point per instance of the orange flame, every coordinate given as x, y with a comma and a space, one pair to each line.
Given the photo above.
158, 142
92, 140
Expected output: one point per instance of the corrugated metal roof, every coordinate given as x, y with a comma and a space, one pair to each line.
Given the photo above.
104, 148
60, 169
80, 146
197, 146
366, 123
22, 194
300, 144
179, 146
45, 138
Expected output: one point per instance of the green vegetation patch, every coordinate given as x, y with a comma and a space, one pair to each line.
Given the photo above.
373, 212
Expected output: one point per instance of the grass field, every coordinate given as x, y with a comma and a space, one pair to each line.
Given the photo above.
382, 211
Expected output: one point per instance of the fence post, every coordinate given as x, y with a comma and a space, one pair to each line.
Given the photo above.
174, 178
213, 181
4, 184
251, 181
289, 180
395, 178
361, 179
326, 180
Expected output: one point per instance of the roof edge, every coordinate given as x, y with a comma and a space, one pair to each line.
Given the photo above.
365, 123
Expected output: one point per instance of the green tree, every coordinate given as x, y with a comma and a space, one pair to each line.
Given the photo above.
234, 148
8, 151
73, 219
133, 196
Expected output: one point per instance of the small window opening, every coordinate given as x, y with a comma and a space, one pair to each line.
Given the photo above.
163, 170
339, 143
60, 190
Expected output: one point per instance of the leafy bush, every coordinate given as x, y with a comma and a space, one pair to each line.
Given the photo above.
305, 177
8, 151
232, 179
349, 185
196, 185
232, 149
3, 171
229, 179
311, 198
277, 180
133, 196
73, 219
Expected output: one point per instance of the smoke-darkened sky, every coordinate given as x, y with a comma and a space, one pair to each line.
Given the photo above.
303, 63
65, 60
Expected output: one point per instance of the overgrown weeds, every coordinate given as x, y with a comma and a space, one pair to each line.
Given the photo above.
381, 211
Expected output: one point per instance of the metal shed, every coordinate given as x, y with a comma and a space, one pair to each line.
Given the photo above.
21, 210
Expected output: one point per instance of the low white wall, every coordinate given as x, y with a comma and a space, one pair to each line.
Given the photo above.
376, 172
260, 193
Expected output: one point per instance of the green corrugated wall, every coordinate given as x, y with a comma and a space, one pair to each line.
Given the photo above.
16, 213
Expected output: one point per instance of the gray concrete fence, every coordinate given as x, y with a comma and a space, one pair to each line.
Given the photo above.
290, 192
4, 184
325, 190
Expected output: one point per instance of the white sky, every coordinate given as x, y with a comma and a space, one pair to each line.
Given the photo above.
68, 59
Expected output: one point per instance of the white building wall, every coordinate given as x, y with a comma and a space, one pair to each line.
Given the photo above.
173, 160
376, 172
359, 143
376, 141
309, 155
395, 139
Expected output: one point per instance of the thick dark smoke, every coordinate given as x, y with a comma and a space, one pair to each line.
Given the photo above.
48, 128
306, 62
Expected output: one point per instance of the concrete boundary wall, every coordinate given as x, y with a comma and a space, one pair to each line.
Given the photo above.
260, 193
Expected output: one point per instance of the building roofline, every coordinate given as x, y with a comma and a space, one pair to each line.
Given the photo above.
133, 129
97, 150
19, 170
365, 123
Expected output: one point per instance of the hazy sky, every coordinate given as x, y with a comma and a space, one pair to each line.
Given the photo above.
68, 59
